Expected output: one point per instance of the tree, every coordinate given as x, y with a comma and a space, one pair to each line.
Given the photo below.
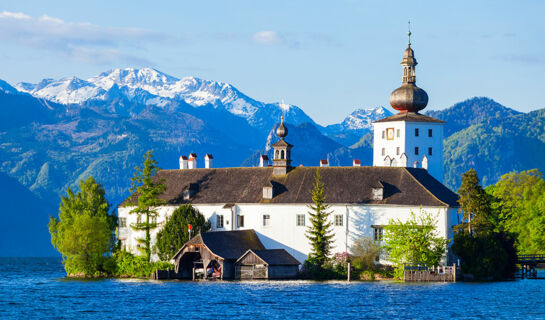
519, 201
365, 251
319, 232
147, 189
415, 241
84, 231
175, 232
475, 204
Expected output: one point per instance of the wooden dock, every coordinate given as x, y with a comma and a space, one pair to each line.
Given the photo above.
423, 273
528, 264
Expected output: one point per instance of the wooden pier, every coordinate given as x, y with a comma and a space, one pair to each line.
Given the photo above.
423, 273
528, 264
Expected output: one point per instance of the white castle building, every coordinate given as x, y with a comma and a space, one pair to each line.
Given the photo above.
273, 200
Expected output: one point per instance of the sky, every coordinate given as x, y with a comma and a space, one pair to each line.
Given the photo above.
327, 57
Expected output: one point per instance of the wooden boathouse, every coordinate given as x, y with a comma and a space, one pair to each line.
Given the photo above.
266, 264
215, 255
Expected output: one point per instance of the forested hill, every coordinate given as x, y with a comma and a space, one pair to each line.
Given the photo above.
496, 147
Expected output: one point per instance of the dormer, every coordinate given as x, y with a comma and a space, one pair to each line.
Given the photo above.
268, 191
190, 191
377, 191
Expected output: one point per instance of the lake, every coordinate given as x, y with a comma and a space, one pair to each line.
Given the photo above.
37, 288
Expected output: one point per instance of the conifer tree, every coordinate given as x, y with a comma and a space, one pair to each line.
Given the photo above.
148, 190
475, 204
319, 232
175, 232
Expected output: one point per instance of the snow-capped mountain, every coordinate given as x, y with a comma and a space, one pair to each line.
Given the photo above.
152, 87
357, 124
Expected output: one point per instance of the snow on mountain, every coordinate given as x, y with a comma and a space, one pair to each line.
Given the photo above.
363, 118
152, 87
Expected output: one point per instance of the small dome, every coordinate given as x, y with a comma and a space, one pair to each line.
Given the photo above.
282, 131
408, 98
408, 57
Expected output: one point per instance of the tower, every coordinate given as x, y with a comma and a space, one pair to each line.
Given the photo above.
408, 138
282, 151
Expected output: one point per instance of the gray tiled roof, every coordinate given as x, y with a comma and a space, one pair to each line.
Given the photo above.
410, 117
350, 185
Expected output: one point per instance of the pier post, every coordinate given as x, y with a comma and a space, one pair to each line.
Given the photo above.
348, 268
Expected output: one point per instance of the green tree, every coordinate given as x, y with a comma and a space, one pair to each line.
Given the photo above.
84, 231
175, 232
365, 251
519, 201
475, 205
320, 230
147, 189
414, 241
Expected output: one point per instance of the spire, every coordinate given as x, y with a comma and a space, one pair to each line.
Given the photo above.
409, 33
409, 97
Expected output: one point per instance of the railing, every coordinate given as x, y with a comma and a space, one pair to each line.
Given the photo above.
426, 273
537, 258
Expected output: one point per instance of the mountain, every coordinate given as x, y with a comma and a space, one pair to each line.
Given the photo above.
153, 88
470, 112
494, 148
356, 125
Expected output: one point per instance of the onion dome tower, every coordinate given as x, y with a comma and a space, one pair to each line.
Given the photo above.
282, 151
408, 97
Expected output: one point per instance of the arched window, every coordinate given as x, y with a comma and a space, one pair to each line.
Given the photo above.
282, 154
276, 155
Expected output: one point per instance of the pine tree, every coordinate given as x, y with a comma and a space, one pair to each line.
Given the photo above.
319, 232
148, 190
475, 204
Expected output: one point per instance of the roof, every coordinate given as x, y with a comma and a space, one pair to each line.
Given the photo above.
324, 161
209, 156
346, 185
282, 143
279, 257
264, 157
226, 244
183, 157
409, 117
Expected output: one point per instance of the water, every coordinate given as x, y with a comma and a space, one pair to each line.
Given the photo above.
36, 288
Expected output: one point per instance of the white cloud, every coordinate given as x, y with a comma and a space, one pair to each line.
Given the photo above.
268, 37
77, 40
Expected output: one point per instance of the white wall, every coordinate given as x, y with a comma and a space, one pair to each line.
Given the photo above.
283, 231
407, 141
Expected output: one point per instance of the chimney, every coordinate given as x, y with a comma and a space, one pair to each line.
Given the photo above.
324, 163
425, 162
208, 161
263, 161
356, 163
183, 162
415, 164
192, 163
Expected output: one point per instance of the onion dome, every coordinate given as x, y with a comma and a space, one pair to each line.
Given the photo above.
282, 131
408, 97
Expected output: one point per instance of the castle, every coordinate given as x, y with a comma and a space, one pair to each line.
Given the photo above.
273, 200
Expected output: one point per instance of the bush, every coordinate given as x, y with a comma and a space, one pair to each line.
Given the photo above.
365, 253
128, 265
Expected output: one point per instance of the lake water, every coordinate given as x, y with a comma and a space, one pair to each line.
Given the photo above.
36, 288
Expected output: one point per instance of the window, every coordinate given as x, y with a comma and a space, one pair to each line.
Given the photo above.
282, 154
430, 133
153, 219
383, 151
339, 220
266, 220
430, 151
383, 134
240, 221
397, 151
416, 150
139, 219
122, 222
416, 132
398, 132
377, 233
300, 220
219, 221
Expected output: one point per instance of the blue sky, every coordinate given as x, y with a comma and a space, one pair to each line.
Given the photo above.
327, 57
